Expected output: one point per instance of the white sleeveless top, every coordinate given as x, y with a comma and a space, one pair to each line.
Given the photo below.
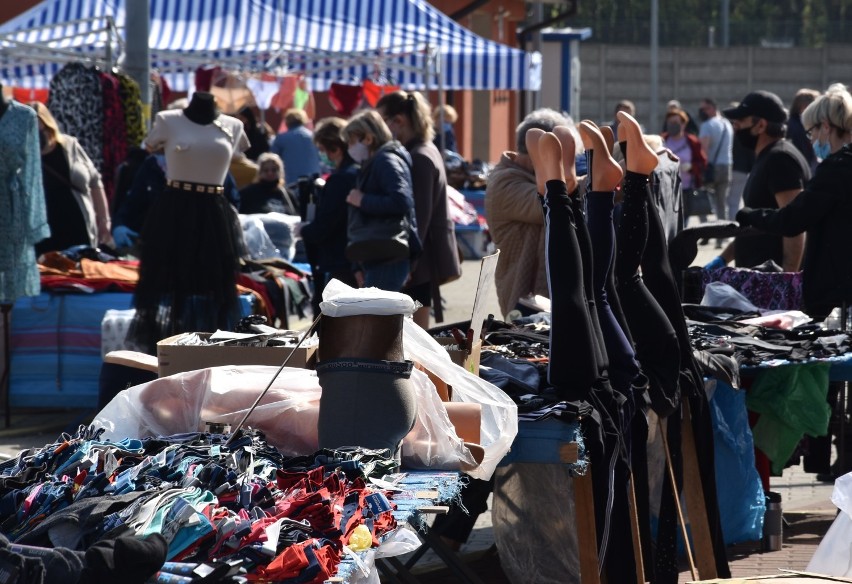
196, 153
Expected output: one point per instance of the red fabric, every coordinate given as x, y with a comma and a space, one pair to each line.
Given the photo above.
204, 78
283, 100
345, 98
115, 133
373, 92
268, 306
24, 95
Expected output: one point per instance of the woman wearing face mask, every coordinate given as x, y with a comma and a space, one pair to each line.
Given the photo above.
327, 232
383, 191
77, 209
687, 148
409, 118
266, 194
823, 208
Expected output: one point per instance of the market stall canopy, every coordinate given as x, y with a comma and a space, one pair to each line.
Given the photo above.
403, 42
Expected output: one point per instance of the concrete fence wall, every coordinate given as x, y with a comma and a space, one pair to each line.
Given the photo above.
610, 73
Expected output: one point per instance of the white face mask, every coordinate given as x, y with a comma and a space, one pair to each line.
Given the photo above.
359, 152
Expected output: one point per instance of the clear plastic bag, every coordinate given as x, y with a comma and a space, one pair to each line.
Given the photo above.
258, 243
288, 413
499, 413
833, 556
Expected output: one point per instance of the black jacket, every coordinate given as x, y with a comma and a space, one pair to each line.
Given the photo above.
327, 232
823, 210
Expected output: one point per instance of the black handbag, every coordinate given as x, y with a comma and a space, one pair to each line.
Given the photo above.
697, 202
377, 238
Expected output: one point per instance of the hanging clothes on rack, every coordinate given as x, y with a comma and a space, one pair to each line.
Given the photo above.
131, 100
23, 215
76, 101
345, 99
114, 142
373, 91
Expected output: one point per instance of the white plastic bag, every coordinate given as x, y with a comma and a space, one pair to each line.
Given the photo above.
338, 299
499, 413
725, 296
833, 557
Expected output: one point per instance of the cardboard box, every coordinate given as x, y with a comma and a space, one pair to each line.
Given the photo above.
179, 358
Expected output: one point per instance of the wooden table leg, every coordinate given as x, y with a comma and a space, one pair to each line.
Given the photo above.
584, 509
637, 540
705, 559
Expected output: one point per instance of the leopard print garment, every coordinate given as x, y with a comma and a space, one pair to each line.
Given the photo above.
131, 100
76, 101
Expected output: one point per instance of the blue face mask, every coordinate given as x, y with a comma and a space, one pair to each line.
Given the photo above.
822, 149
326, 161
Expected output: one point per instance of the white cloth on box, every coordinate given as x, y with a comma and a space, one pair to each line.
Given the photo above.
114, 327
342, 300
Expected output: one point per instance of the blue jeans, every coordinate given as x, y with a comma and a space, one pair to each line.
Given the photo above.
386, 275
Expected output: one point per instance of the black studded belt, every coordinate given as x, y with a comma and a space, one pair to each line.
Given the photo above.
196, 187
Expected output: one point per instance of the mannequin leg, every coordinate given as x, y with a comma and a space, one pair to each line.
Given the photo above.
623, 367
532, 139
656, 341
575, 369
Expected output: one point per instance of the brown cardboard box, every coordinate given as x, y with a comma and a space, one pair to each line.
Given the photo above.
179, 358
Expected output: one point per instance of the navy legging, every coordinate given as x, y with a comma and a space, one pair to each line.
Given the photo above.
623, 367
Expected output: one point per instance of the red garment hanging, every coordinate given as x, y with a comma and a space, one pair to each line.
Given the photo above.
373, 92
345, 99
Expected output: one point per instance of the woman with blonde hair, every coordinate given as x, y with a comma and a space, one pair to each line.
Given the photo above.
383, 194
77, 209
266, 194
408, 116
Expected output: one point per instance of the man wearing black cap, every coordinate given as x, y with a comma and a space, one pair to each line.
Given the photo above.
779, 174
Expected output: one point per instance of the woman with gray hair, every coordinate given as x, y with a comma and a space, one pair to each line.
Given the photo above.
514, 215
823, 208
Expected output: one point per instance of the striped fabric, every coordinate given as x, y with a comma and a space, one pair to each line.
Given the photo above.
328, 40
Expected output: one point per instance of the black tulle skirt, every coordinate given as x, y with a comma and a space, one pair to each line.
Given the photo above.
190, 247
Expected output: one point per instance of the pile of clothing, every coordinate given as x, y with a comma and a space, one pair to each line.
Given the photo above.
189, 507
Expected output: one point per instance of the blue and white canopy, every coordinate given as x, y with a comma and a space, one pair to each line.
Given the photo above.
408, 42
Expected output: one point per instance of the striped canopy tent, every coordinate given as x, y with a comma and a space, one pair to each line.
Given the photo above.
406, 42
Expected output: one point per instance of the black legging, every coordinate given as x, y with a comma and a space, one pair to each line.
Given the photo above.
573, 370
656, 341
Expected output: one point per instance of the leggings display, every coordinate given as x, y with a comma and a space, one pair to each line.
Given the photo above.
572, 334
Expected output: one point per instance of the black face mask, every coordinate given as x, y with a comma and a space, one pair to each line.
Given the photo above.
702, 115
746, 138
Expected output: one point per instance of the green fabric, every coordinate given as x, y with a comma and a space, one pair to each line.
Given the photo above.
791, 401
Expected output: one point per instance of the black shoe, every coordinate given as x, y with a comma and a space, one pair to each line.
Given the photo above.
703, 241
826, 477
